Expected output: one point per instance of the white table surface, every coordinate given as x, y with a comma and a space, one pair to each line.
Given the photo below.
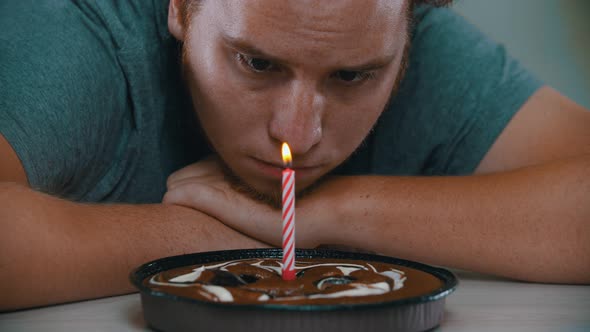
480, 303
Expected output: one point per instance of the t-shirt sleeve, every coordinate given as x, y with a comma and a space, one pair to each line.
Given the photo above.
62, 93
462, 91
490, 87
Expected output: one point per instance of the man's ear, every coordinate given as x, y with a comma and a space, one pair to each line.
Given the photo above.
175, 19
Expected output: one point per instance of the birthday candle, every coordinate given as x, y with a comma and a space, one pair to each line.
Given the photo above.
288, 194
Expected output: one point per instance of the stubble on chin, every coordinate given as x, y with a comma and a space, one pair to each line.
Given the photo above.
272, 199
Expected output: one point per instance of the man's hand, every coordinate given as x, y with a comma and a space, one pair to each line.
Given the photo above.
203, 186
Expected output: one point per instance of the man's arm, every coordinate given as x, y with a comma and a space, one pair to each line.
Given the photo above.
548, 127
53, 250
527, 218
531, 224
11, 169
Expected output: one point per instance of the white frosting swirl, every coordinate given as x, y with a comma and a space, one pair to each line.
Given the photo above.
221, 294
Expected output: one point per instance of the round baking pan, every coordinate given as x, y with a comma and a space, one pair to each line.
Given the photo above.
168, 312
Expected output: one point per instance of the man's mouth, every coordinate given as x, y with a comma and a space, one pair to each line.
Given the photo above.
274, 170
268, 169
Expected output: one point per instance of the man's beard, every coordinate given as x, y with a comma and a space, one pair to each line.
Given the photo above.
273, 198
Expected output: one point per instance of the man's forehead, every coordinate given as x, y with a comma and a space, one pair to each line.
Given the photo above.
313, 28
349, 12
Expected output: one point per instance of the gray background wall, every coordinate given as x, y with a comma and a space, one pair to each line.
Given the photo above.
550, 37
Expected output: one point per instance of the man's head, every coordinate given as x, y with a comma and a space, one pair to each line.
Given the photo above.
314, 74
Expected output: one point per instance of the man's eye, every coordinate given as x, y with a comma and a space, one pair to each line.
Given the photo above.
349, 76
255, 64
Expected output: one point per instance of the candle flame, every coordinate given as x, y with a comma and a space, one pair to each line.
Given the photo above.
286, 154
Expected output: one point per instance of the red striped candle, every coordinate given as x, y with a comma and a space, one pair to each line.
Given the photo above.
288, 272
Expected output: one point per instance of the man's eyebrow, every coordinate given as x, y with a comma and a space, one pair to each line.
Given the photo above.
243, 46
371, 65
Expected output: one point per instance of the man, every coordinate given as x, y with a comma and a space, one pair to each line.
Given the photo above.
93, 110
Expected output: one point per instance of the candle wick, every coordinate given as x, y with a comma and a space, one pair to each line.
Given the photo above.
288, 164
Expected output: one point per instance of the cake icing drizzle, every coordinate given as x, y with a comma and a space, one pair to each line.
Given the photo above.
219, 293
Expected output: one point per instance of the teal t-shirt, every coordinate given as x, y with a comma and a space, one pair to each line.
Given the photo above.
92, 101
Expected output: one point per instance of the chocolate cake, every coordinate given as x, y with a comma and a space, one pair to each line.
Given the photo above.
242, 290
320, 281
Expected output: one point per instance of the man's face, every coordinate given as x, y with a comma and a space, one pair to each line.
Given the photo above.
314, 74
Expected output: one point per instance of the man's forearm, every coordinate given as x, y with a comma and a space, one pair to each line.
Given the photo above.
54, 251
531, 224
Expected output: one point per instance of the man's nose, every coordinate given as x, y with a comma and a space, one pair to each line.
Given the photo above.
297, 119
